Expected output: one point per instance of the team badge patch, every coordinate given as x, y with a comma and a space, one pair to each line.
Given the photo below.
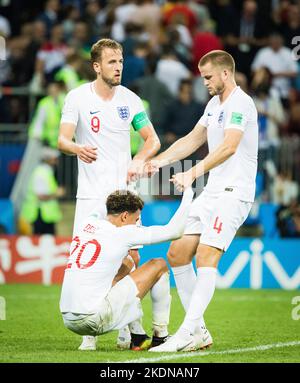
221, 116
123, 112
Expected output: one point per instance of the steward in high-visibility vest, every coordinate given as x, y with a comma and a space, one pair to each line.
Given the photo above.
69, 73
46, 120
40, 207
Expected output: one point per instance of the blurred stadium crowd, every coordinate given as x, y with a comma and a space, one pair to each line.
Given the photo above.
47, 51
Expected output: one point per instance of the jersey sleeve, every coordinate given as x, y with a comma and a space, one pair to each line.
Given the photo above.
238, 115
140, 118
203, 119
136, 235
70, 110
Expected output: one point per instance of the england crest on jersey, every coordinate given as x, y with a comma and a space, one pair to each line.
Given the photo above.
123, 112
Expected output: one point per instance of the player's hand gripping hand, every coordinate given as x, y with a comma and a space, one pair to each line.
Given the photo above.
182, 180
151, 167
135, 170
87, 153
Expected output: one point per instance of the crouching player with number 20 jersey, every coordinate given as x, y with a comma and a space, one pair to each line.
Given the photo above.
89, 304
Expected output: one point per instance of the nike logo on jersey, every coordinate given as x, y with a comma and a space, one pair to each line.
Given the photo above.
209, 114
97, 111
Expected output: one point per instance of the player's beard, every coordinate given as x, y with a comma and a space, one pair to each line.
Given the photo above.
219, 89
111, 82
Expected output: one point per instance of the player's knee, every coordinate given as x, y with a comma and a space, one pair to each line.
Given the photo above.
208, 256
173, 257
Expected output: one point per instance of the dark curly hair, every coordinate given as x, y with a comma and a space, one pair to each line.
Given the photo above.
123, 200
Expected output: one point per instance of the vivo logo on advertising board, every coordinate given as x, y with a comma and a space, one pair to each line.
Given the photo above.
251, 263
266, 264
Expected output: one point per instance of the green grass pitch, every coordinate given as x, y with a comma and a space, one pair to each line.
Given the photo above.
239, 320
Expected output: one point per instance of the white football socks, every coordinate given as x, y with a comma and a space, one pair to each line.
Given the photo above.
185, 279
161, 304
202, 295
136, 327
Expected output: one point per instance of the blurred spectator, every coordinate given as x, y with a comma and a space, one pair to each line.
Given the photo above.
69, 73
40, 207
156, 93
46, 120
5, 30
171, 71
50, 58
291, 27
288, 220
293, 125
50, 14
242, 81
204, 42
182, 114
70, 15
285, 190
134, 33
178, 12
223, 13
181, 43
245, 34
81, 41
278, 59
202, 14
148, 14
286, 194
280, 11
135, 64
122, 15
271, 114
94, 17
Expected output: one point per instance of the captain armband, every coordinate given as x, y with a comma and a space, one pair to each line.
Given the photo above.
140, 120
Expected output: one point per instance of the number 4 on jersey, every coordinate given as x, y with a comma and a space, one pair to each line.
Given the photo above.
218, 225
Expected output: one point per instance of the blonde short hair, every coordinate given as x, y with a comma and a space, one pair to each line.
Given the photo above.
100, 45
218, 58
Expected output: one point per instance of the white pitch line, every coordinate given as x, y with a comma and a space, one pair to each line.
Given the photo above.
181, 355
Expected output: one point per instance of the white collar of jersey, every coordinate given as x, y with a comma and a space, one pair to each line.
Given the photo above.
93, 90
229, 96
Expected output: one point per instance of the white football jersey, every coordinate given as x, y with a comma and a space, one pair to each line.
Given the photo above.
105, 125
98, 250
237, 174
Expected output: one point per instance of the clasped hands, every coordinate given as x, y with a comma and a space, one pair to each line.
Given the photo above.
139, 168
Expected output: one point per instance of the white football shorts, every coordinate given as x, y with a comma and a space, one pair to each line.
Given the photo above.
120, 307
217, 218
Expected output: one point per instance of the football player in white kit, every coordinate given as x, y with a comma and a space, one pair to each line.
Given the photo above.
89, 304
99, 115
229, 125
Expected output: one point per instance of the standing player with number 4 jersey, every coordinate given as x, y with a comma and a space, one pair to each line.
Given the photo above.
99, 115
229, 124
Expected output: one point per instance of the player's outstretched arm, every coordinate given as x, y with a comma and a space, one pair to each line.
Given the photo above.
225, 150
155, 234
181, 148
66, 144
